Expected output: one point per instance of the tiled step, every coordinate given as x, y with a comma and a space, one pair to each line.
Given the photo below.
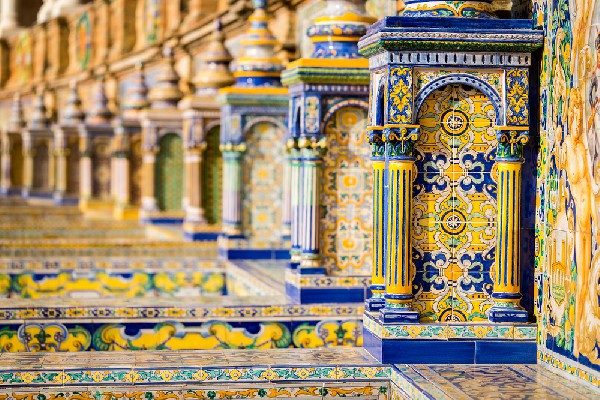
209, 369
109, 247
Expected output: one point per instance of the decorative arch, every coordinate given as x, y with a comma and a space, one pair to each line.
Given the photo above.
255, 121
212, 124
379, 109
464, 79
337, 106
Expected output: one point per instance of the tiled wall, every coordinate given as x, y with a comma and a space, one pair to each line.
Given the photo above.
568, 201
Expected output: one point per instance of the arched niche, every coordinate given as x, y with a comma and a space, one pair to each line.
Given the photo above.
169, 173
212, 176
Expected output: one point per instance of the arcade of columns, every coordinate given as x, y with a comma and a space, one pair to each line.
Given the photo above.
124, 119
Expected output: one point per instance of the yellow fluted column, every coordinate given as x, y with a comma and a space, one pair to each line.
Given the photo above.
377, 300
400, 140
507, 273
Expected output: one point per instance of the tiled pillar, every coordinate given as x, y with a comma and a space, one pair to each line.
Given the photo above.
312, 160
507, 273
121, 179
148, 166
377, 300
5, 183
296, 205
27, 167
85, 169
8, 16
232, 188
398, 308
286, 212
193, 161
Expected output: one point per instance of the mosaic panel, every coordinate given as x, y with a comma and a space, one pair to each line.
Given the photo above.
16, 162
346, 197
169, 173
172, 392
174, 335
135, 170
567, 219
212, 177
41, 162
72, 153
263, 182
454, 206
101, 163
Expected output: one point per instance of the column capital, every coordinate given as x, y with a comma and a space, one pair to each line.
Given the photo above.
511, 140
233, 147
401, 139
312, 147
376, 139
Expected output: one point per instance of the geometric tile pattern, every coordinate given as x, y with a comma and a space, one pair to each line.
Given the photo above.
443, 382
454, 206
212, 176
346, 197
451, 331
262, 182
169, 173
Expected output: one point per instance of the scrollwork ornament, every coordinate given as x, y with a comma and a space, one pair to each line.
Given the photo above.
377, 141
401, 140
511, 143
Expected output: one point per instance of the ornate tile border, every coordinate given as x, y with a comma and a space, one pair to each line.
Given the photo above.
191, 375
191, 312
564, 366
326, 281
368, 392
451, 331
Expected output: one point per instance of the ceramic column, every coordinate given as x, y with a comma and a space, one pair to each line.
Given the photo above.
60, 188
27, 166
85, 169
232, 185
400, 141
296, 205
286, 212
8, 15
377, 300
193, 162
312, 153
5, 183
507, 274
51, 166
148, 167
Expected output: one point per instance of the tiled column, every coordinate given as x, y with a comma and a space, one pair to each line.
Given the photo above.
286, 212
27, 166
507, 274
312, 160
121, 178
232, 188
5, 183
148, 166
85, 169
398, 308
193, 162
296, 203
377, 300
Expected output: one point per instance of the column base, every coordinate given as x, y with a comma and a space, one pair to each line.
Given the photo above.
197, 231
508, 314
450, 343
322, 288
374, 304
398, 316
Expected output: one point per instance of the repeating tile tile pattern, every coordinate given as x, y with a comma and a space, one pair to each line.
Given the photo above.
451, 331
441, 382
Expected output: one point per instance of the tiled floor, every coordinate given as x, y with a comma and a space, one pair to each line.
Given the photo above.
461, 382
